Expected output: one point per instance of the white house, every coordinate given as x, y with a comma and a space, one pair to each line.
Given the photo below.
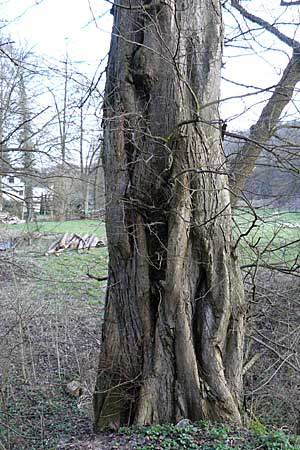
13, 189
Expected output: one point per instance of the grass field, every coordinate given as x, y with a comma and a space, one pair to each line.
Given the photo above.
68, 271
269, 238
71, 226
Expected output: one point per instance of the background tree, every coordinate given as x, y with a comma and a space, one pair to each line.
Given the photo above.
89, 148
9, 82
26, 148
73, 141
268, 121
269, 245
64, 119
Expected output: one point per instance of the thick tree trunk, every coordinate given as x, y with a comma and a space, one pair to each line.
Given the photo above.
172, 343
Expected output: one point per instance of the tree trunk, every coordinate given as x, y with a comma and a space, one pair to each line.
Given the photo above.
172, 339
61, 191
29, 199
98, 185
27, 149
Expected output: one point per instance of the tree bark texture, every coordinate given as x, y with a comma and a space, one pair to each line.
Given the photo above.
172, 338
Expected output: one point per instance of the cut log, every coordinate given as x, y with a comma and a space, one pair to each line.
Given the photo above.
75, 242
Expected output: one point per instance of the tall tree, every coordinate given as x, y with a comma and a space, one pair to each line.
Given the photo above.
173, 329
26, 147
64, 120
9, 81
75, 130
89, 157
172, 342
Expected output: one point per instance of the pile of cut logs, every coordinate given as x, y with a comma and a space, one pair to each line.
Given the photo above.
75, 242
8, 219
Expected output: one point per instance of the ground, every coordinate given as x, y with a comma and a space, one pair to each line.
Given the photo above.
49, 336
51, 313
202, 436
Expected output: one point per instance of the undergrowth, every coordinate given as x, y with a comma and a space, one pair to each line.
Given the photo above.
207, 436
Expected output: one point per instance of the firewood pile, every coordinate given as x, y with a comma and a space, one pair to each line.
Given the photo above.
8, 219
75, 242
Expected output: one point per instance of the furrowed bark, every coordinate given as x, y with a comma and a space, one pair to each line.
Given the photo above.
172, 341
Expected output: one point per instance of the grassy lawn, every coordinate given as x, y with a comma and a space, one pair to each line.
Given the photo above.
72, 226
66, 272
270, 238
71, 272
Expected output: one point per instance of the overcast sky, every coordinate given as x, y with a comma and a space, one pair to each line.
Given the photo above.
52, 27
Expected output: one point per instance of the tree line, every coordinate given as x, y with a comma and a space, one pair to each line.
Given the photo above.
50, 134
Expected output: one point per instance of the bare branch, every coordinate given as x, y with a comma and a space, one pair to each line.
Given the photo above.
266, 125
93, 277
19, 126
266, 25
281, 357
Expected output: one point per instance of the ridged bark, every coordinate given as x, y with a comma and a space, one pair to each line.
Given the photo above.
172, 340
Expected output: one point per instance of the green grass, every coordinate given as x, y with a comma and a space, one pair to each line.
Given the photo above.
50, 328
69, 271
271, 238
65, 273
71, 226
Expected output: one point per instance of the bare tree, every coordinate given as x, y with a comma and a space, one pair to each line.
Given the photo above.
172, 343
26, 147
63, 117
89, 152
9, 81
172, 340
74, 137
